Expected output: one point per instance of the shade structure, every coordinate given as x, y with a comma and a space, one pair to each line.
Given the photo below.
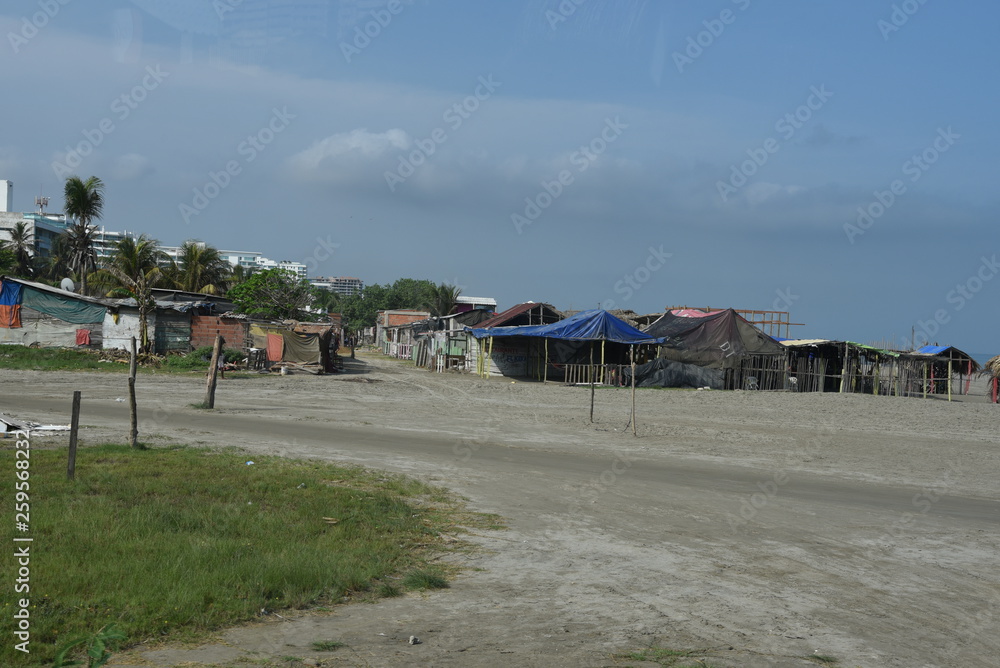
592, 325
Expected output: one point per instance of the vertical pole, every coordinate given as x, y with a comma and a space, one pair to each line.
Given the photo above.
133, 433
591, 381
632, 356
996, 382
545, 370
949, 378
213, 371
489, 359
925, 380
73, 429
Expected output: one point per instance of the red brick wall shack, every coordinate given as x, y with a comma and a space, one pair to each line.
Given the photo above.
204, 328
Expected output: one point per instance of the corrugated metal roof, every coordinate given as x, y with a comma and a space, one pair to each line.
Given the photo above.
514, 311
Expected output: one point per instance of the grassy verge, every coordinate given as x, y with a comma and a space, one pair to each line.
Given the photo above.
72, 359
171, 543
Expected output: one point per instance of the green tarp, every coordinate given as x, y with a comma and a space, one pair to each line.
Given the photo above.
67, 309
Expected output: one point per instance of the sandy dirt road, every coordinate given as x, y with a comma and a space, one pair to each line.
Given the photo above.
768, 527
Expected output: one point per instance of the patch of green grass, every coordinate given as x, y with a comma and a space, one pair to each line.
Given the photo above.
388, 590
54, 359
75, 359
425, 579
327, 645
173, 542
668, 657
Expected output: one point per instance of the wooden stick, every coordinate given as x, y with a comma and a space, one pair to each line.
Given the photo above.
73, 429
213, 371
632, 355
133, 434
591, 381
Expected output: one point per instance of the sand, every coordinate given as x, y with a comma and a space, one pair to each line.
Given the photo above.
764, 527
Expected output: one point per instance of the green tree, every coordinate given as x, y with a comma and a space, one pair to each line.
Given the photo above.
273, 294
22, 246
442, 299
409, 293
133, 270
325, 299
199, 268
84, 203
7, 260
55, 266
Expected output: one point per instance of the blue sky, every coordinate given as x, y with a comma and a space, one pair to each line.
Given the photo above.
634, 154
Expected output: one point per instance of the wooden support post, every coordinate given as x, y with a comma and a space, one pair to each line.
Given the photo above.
996, 386
591, 381
74, 427
545, 370
925, 378
213, 371
632, 355
133, 433
949, 378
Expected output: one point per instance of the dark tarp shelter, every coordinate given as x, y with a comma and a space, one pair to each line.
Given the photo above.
710, 339
724, 341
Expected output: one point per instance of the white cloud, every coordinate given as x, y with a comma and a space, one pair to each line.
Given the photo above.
131, 166
759, 193
347, 149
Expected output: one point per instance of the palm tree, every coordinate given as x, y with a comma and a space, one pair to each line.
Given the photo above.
325, 300
84, 203
441, 299
132, 271
22, 246
200, 268
55, 266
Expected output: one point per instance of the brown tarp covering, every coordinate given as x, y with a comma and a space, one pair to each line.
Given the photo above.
303, 348
275, 347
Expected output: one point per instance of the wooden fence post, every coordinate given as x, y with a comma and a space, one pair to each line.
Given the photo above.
73, 429
213, 371
133, 434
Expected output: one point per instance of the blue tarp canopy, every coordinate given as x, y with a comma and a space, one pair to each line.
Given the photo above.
592, 325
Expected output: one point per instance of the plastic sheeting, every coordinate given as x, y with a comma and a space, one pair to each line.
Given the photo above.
667, 373
711, 339
10, 304
592, 325
67, 309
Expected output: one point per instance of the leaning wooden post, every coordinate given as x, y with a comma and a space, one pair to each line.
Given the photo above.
949, 377
73, 429
133, 434
632, 355
591, 381
213, 371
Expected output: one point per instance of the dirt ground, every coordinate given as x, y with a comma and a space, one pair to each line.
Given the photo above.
768, 529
